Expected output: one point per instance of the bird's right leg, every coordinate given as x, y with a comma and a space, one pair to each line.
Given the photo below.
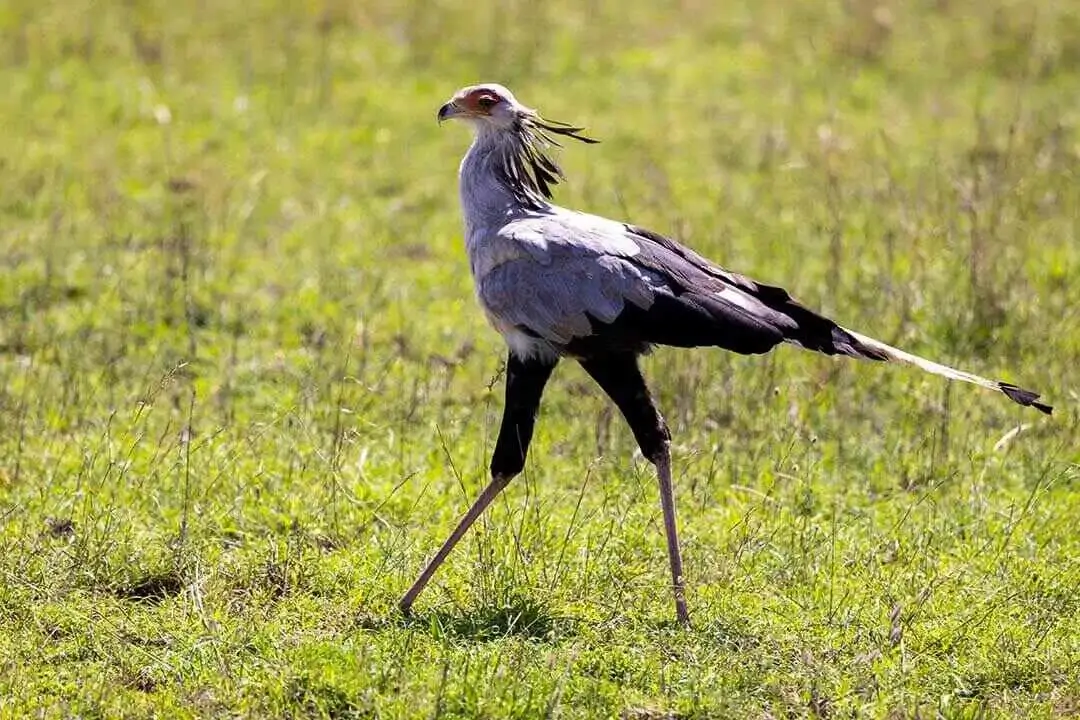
620, 377
525, 381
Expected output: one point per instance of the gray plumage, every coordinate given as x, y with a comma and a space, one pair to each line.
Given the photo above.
548, 275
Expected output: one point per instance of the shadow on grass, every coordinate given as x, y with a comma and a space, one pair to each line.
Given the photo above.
152, 588
319, 699
518, 616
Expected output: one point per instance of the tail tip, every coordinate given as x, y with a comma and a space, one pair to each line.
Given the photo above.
1024, 397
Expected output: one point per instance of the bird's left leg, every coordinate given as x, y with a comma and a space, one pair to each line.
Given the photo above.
620, 377
525, 381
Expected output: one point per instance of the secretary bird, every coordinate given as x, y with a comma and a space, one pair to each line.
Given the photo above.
559, 283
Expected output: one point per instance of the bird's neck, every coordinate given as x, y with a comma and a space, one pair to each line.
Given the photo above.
487, 200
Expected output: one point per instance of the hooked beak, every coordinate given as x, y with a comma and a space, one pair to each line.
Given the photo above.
448, 111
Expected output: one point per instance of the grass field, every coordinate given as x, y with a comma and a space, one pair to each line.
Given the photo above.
245, 389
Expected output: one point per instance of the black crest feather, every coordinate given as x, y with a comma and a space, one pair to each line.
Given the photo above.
527, 168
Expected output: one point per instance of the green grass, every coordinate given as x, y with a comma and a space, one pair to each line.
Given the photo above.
245, 389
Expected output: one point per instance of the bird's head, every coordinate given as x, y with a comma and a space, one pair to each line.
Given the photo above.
521, 136
488, 106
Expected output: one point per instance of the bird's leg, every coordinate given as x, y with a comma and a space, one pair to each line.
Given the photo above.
671, 532
620, 377
490, 493
525, 380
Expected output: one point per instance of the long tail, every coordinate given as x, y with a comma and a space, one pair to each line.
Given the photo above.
856, 345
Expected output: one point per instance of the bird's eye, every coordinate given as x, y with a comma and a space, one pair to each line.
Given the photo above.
487, 102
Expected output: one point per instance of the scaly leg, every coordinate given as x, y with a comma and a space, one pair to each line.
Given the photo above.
490, 493
667, 504
525, 381
620, 377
